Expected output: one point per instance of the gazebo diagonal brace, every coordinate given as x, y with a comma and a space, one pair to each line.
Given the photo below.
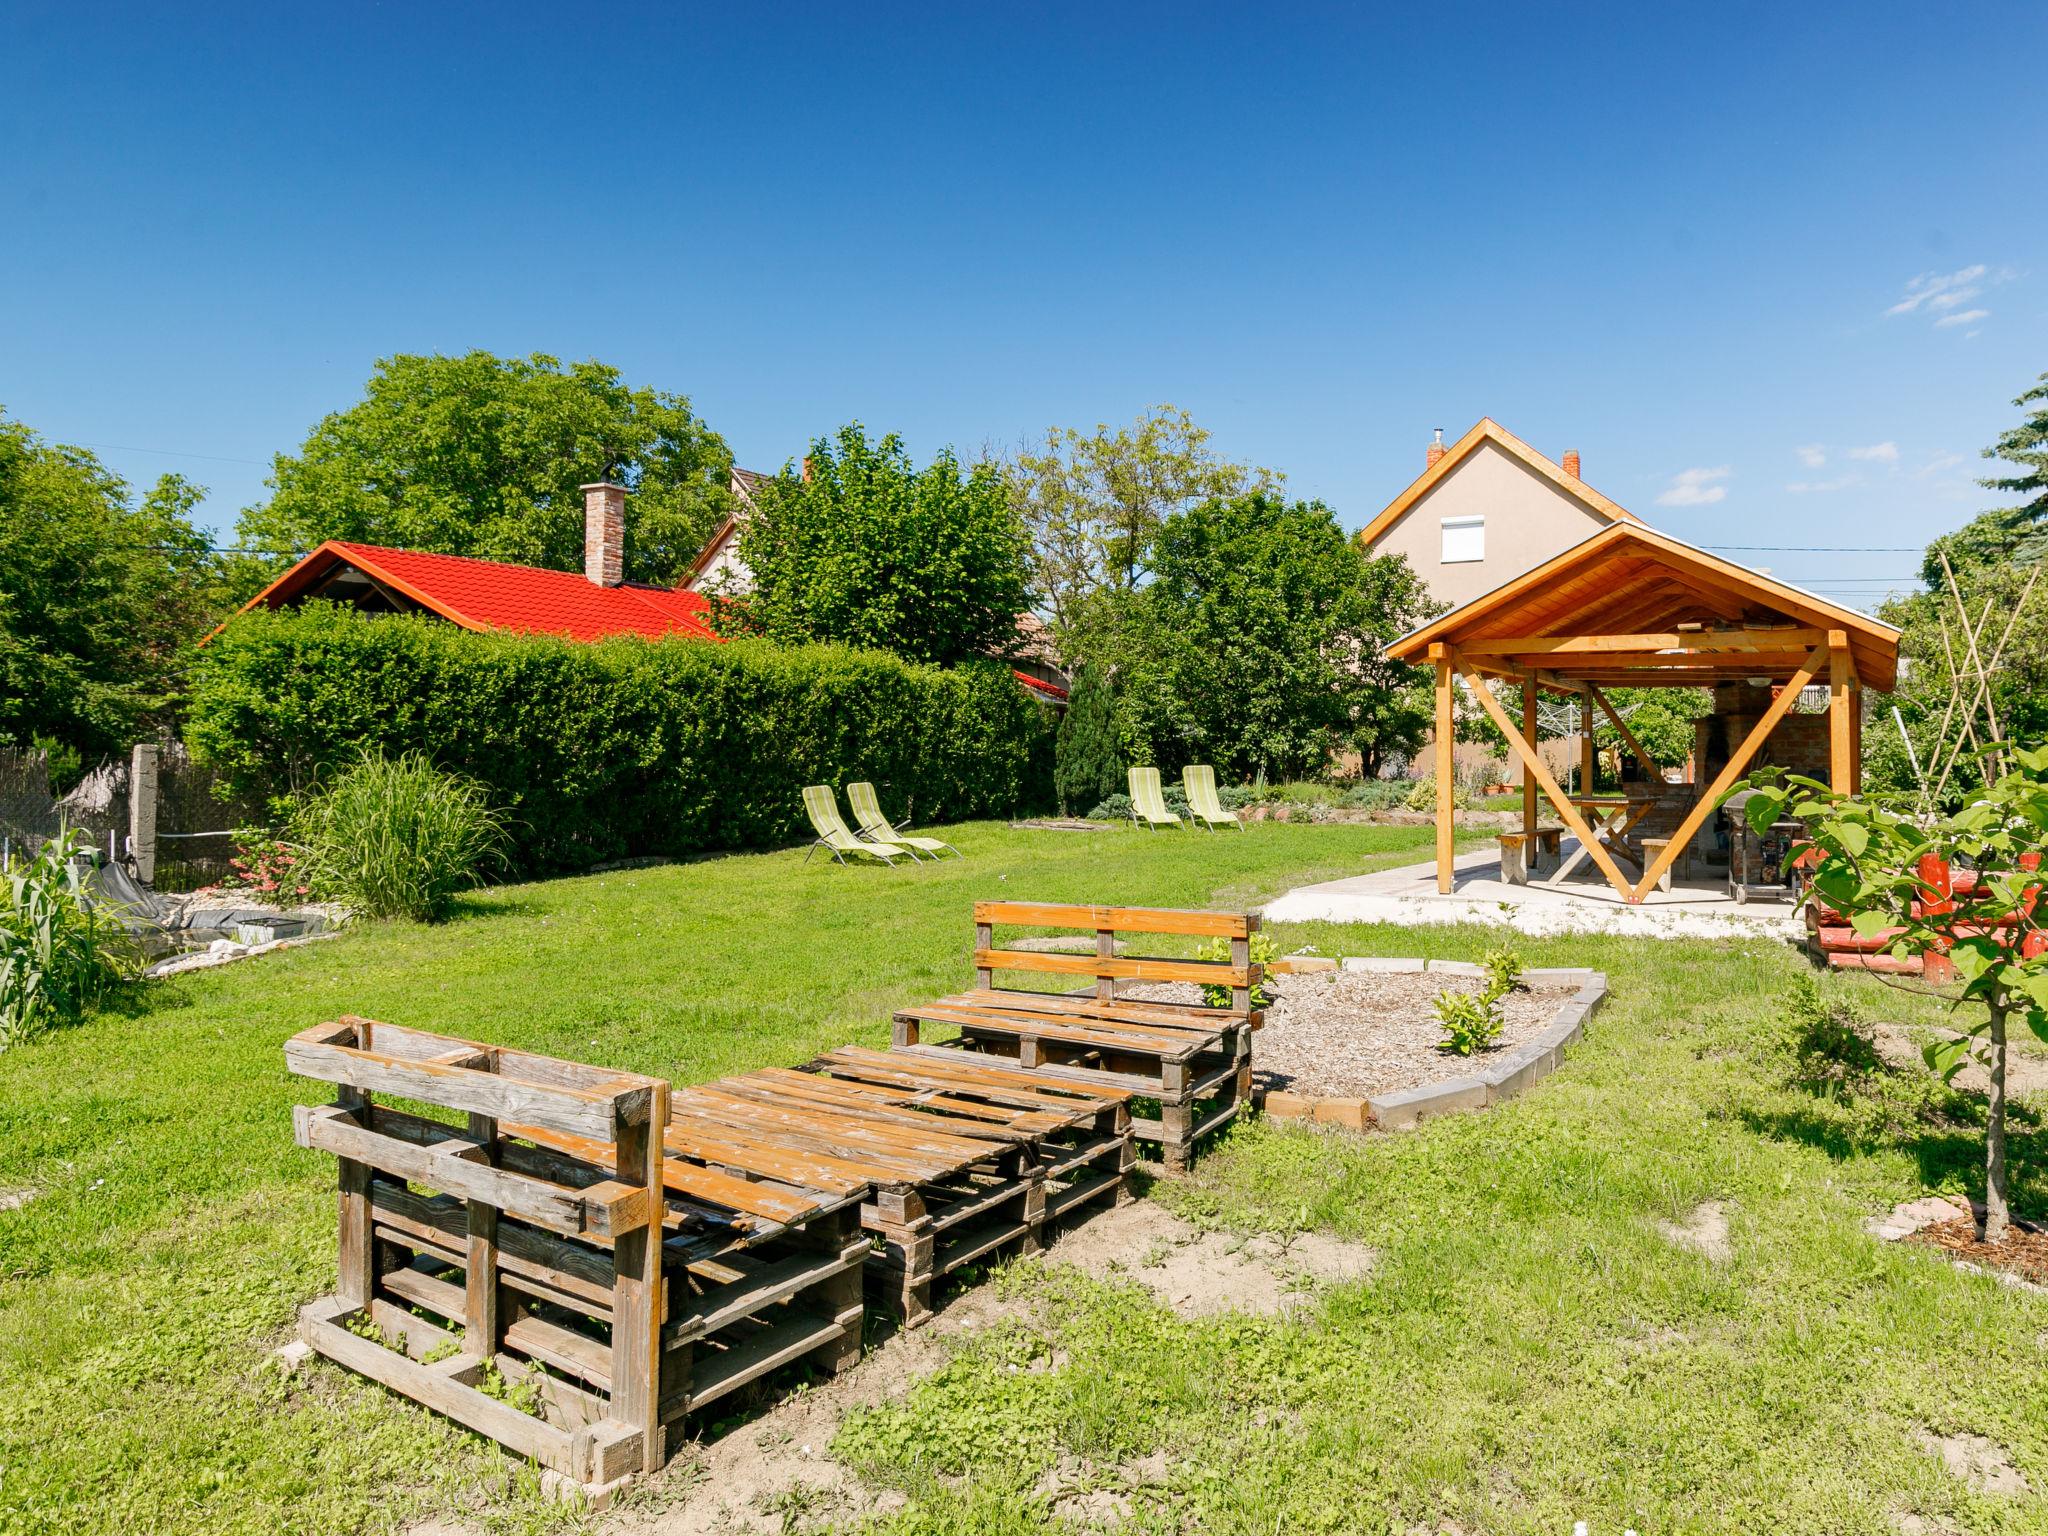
1732, 770
1532, 763
1649, 763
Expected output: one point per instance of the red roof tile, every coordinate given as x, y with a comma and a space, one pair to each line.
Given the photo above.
490, 594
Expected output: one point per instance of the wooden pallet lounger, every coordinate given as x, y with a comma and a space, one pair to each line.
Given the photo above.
963, 1157
1193, 1059
535, 1271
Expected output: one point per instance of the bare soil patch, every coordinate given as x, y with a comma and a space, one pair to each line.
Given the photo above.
773, 1473
1354, 1033
15, 1199
1982, 1463
1200, 1273
1705, 1231
2023, 1253
2026, 1070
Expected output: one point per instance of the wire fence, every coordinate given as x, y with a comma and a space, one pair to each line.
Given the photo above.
194, 824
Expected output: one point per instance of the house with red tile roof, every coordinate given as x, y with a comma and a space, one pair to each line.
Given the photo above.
523, 599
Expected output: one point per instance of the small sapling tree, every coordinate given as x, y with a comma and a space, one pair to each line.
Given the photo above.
1881, 866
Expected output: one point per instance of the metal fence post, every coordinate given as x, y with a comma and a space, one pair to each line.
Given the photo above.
142, 811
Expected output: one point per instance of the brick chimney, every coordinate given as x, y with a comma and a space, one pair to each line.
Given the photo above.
807, 469
1571, 462
604, 533
1436, 449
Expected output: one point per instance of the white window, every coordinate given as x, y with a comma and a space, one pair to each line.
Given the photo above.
1464, 539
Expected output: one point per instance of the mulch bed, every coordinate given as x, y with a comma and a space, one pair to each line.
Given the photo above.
1354, 1033
2024, 1251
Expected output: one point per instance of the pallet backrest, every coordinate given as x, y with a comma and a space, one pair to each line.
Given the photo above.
1239, 973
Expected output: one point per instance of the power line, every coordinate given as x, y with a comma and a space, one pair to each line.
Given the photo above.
1829, 549
172, 453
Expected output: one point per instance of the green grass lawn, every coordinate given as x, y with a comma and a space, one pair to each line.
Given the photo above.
177, 1228
1530, 1349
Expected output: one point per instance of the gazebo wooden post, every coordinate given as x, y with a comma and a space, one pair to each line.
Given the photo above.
1529, 734
1446, 765
1841, 730
1732, 770
1533, 764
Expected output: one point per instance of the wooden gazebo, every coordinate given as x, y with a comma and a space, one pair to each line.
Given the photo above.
1636, 608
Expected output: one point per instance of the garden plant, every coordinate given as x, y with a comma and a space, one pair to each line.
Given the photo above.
1877, 866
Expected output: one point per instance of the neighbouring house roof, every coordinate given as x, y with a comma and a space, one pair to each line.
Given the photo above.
491, 594
1051, 690
1490, 431
1631, 605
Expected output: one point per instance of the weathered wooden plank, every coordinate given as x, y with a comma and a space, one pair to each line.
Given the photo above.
1030, 914
1219, 973
1170, 1015
560, 1264
601, 1209
777, 1202
579, 1112
983, 1075
811, 1090
627, 1089
752, 1294
794, 1333
320, 1326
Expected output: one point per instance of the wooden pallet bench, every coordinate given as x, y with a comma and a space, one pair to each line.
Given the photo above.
964, 1158
1194, 1060
543, 1272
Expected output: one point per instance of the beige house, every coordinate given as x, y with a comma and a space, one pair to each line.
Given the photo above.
1486, 509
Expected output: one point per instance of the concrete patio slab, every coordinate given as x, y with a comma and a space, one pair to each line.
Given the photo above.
1407, 897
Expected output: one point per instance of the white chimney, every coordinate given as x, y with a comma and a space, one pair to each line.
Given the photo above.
604, 533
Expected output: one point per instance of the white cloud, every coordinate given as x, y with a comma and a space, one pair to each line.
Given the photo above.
1695, 488
1940, 289
1822, 487
1941, 295
1937, 464
1812, 455
1879, 453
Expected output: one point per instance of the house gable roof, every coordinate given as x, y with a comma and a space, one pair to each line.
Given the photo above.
1490, 431
491, 594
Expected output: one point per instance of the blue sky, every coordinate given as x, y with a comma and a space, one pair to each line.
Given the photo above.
1775, 271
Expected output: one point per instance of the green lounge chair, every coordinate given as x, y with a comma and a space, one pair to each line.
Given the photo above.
1148, 801
822, 806
873, 825
1199, 780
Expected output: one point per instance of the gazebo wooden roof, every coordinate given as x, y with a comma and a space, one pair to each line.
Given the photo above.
1633, 607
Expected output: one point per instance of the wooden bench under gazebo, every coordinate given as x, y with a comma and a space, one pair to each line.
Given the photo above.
1631, 607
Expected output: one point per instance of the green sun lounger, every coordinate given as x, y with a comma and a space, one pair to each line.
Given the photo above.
1148, 801
873, 825
1199, 780
822, 806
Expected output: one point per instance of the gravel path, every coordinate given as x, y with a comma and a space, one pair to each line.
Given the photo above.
1352, 1033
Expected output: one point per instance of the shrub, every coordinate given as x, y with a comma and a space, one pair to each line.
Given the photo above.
266, 865
59, 956
1264, 952
1422, 795
396, 837
1472, 1022
1090, 762
1503, 971
1377, 795
625, 747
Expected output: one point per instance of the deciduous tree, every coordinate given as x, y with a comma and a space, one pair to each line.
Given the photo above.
1094, 504
864, 548
1256, 646
102, 597
484, 455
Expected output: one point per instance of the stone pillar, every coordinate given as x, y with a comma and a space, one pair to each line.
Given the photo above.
142, 773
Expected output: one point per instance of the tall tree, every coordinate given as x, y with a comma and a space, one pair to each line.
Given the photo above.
1257, 644
483, 455
2015, 535
865, 548
102, 597
1094, 504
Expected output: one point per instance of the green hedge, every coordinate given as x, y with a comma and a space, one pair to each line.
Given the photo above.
625, 747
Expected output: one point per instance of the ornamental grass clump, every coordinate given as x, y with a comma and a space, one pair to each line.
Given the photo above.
397, 837
59, 956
